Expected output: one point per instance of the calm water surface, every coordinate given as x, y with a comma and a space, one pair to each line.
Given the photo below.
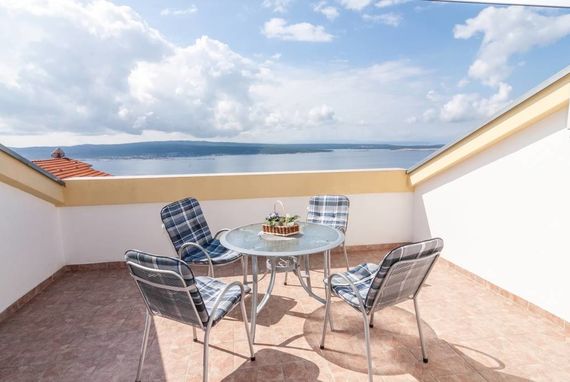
334, 160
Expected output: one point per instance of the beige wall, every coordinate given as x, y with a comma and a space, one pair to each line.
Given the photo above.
17, 174
152, 189
93, 234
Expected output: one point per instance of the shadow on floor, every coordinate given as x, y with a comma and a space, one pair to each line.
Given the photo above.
395, 347
290, 368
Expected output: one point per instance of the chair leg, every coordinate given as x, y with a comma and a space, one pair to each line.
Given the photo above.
206, 348
244, 316
147, 323
422, 342
345, 256
367, 343
285, 282
194, 334
327, 316
371, 323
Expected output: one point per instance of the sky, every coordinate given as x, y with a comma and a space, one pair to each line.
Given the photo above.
277, 71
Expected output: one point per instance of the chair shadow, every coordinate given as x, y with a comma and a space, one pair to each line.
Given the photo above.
275, 365
395, 346
277, 307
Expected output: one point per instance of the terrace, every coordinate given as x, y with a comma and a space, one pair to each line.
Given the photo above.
495, 308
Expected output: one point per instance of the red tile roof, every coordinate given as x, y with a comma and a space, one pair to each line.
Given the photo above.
67, 168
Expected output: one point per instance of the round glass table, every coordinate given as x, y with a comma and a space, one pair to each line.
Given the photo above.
282, 254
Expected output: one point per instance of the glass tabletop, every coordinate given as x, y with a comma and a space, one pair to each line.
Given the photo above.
313, 238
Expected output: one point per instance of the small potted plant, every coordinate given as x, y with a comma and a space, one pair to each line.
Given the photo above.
281, 225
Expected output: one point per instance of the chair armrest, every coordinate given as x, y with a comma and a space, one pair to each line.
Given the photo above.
351, 284
220, 232
196, 245
221, 296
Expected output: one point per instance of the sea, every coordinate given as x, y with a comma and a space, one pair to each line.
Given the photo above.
339, 159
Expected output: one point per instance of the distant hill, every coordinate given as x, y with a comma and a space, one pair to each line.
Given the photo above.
172, 149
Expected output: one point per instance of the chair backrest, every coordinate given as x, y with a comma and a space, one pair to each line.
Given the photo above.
331, 210
185, 222
402, 273
168, 287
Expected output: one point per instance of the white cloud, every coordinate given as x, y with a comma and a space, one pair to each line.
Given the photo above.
463, 82
74, 72
355, 5
462, 107
279, 29
390, 19
179, 12
278, 6
351, 104
390, 3
322, 114
506, 32
433, 96
328, 11
202, 89
98, 68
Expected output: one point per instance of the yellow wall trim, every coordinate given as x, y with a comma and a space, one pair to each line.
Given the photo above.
540, 105
130, 190
17, 174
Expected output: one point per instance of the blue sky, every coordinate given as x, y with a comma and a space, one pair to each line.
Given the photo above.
267, 71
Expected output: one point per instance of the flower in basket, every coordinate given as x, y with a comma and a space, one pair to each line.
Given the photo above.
275, 220
281, 225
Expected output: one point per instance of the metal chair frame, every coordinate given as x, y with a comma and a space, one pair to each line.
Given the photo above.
207, 328
368, 317
210, 264
306, 258
207, 254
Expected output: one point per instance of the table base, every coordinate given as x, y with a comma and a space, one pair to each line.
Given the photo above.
284, 264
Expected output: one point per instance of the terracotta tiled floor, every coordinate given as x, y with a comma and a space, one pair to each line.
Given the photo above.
88, 326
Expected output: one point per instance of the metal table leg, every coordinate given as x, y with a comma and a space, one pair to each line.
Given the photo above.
272, 277
307, 284
255, 307
253, 318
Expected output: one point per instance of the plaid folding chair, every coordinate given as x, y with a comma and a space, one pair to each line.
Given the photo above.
192, 239
371, 287
331, 210
170, 290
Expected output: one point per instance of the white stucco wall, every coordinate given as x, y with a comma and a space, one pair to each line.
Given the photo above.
103, 233
505, 214
30, 243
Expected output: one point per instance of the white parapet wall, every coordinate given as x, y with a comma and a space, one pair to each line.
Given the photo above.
505, 213
93, 234
31, 247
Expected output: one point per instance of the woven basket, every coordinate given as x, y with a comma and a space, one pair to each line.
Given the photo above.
281, 230
288, 230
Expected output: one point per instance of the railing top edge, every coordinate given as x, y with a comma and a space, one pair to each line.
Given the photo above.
234, 174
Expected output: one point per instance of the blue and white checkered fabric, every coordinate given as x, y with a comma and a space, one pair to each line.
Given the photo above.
165, 302
405, 252
331, 210
362, 276
175, 304
185, 222
218, 253
210, 289
368, 277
